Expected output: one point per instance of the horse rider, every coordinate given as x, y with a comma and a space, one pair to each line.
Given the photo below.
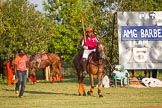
88, 43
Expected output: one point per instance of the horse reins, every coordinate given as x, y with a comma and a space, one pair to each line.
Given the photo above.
98, 65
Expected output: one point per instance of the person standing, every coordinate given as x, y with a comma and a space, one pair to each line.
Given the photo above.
20, 67
88, 43
10, 76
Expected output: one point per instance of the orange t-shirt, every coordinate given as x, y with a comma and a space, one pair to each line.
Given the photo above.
21, 62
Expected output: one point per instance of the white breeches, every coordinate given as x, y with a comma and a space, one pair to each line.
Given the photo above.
87, 52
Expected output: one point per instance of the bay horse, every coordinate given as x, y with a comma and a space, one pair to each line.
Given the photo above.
36, 61
95, 66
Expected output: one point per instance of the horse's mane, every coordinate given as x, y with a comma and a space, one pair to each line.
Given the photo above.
34, 57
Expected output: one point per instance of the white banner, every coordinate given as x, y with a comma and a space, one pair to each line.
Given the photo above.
140, 39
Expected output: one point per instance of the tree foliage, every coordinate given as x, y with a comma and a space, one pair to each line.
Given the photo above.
23, 27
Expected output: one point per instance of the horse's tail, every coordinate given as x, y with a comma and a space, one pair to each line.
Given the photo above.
77, 61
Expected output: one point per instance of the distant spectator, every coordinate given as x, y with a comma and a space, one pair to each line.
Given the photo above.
10, 75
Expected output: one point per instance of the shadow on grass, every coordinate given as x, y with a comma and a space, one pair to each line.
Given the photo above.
9, 97
40, 92
71, 79
66, 94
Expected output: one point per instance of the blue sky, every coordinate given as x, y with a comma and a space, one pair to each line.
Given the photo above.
39, 3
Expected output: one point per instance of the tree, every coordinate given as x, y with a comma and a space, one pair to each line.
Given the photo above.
59, 29
66, 16
23, 27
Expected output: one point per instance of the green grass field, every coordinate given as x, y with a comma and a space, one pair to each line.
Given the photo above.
64, 95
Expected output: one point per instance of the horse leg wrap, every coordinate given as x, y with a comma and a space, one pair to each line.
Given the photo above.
60, 78
99, 87
53, 80
99, 92
92, 89
81, 89
84, 94
31, 78
34, 79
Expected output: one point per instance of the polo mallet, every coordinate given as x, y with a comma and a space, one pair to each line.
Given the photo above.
110, 64
82, 20
107, 59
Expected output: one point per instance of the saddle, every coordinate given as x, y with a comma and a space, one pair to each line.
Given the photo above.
44, 57
90, 58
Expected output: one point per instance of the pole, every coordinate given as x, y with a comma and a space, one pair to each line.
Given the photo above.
112, 40
82, 20
110, 64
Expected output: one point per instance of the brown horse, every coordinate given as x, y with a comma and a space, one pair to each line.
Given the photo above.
95, 66
37, 61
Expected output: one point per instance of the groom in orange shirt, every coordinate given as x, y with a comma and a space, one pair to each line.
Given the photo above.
20, 66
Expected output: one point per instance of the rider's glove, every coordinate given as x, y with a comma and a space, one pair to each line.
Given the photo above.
85, 47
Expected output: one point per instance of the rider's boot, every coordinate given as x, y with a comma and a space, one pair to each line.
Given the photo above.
84, 67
